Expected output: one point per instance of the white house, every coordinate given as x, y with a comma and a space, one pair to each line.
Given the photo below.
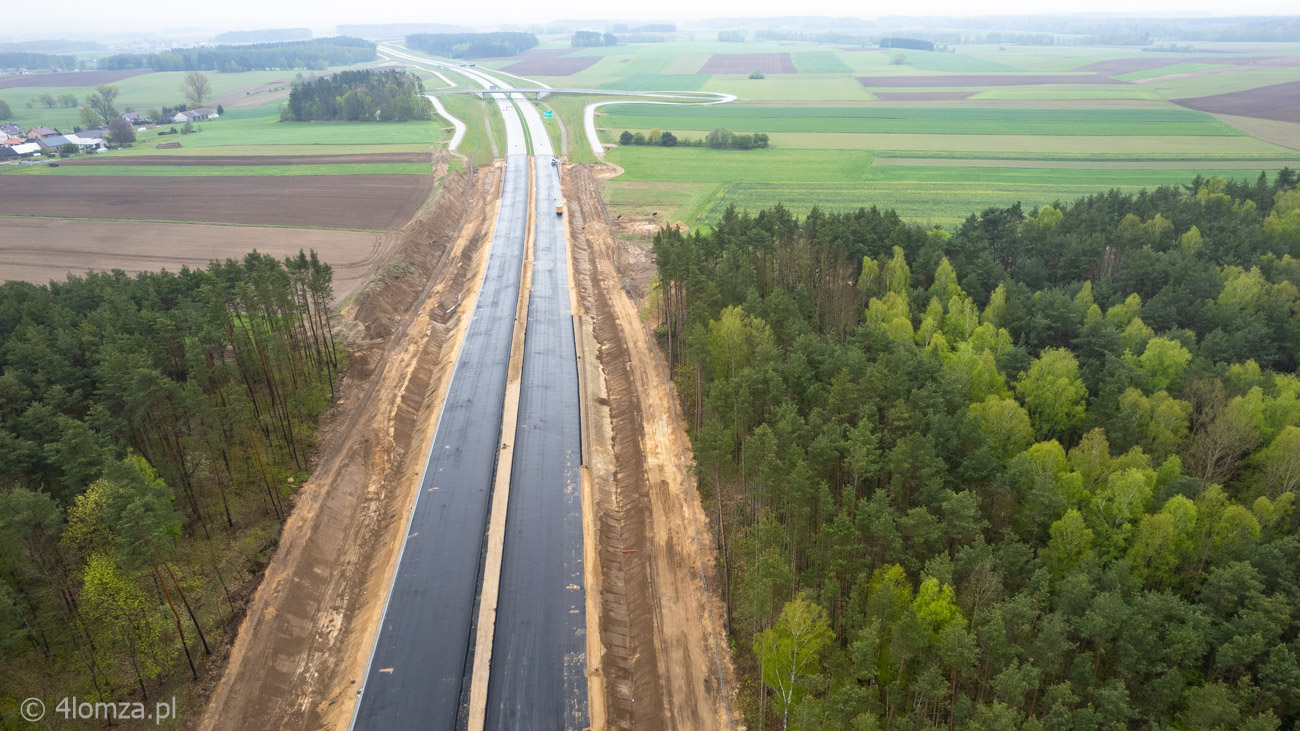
195, 115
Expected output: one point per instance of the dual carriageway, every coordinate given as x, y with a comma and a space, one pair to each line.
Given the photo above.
516, 612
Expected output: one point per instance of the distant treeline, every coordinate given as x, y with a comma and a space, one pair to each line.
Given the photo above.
54, 46
269, 35
1088, 30
21, 59
720, 138
314, 54
471, 45
914, 44
588, 38
394, 30
827, 37
356, 96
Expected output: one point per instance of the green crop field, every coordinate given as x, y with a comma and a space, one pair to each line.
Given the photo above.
144, 92
819, 62
980, 145
657, 82
942, 196
935, 61
241, 130
896, 120
698, 165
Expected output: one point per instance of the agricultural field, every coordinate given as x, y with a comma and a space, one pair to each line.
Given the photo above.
243, 181
935, 135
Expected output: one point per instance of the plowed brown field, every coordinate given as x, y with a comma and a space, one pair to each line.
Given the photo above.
1279, 101
1117, 66
373, 202
224, 160
69, 78
550, 62
38, 250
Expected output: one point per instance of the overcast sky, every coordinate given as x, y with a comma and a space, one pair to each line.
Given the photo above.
86, 17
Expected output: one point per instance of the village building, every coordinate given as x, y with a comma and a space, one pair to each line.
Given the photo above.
13, 152
83, 144
201, 114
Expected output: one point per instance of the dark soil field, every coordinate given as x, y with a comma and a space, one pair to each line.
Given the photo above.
374, 202
1117, 66
39, 250
924, 96
227, 160
550, 62
1279, 101
889, 82
745, 63
69, 78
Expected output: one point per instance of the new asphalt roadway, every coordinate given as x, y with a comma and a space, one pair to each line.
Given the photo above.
419, 673
538, 675
419, 668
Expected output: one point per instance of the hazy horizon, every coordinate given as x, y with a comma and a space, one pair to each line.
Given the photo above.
81, 19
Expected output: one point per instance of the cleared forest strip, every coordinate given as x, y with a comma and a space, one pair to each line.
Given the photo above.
660, 640
307, 633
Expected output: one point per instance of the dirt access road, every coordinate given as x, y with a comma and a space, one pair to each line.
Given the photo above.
665, 659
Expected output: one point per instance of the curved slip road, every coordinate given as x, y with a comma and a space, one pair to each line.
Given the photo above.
419, 667
456, 123
589, 113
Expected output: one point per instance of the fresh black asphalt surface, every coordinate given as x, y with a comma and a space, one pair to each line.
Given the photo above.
538, 673
421, 661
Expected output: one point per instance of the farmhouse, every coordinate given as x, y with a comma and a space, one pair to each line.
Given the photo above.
82, 143
195, 115
11, 130
36, 133
134, 118
13, 152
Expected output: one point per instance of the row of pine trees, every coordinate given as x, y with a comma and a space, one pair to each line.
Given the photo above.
1039, 472
151, 430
